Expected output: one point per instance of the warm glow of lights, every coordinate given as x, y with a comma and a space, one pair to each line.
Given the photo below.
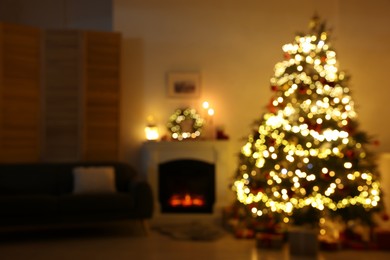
176, 120
348, 165
301, 152
210, 111
151, 133
186, 200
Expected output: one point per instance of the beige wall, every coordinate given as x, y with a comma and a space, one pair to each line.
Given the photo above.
235, 45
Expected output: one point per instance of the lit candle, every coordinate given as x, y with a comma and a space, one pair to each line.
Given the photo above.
205, 105
210, 112
151, 130
151, 133
208, 117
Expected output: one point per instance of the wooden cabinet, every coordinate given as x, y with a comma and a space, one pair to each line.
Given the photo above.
82, 95
20, 88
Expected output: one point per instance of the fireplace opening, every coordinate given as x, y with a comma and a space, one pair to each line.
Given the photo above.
186, 186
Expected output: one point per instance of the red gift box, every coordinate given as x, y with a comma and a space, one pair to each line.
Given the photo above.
382, 239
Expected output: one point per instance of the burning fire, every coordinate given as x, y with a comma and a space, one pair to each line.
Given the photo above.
186, 200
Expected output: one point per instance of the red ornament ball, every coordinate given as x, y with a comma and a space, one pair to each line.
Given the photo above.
302, 90
350, 154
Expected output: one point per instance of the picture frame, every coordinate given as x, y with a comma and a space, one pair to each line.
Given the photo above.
183, 84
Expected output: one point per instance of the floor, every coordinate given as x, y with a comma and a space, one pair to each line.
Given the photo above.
128, 241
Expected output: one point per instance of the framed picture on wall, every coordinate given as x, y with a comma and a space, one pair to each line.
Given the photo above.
183, 84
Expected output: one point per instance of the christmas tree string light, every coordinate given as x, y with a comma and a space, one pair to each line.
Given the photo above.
307, 152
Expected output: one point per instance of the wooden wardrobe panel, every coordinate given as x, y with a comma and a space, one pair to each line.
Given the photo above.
20, 88
102, 95
82, 95
59, 94
62, 105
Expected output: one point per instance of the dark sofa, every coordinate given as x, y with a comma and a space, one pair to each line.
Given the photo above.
43, 193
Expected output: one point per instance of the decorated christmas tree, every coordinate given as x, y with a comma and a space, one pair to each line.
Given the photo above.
306, 157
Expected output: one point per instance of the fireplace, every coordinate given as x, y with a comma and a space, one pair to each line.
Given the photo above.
190, 179
186, 186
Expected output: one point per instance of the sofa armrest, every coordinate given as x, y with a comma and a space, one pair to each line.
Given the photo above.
143, 199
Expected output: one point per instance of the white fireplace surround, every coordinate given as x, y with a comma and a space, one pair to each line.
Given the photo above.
215, 152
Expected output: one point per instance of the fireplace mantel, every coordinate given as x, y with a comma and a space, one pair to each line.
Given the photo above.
215, 152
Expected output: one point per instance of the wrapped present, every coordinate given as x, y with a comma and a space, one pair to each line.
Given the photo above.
269, 240
244, 233
303, 242
330, 245
381, 238
360, 245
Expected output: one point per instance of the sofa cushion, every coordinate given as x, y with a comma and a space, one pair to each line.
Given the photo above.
124, 173
94, 179
86, 203
28, 206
